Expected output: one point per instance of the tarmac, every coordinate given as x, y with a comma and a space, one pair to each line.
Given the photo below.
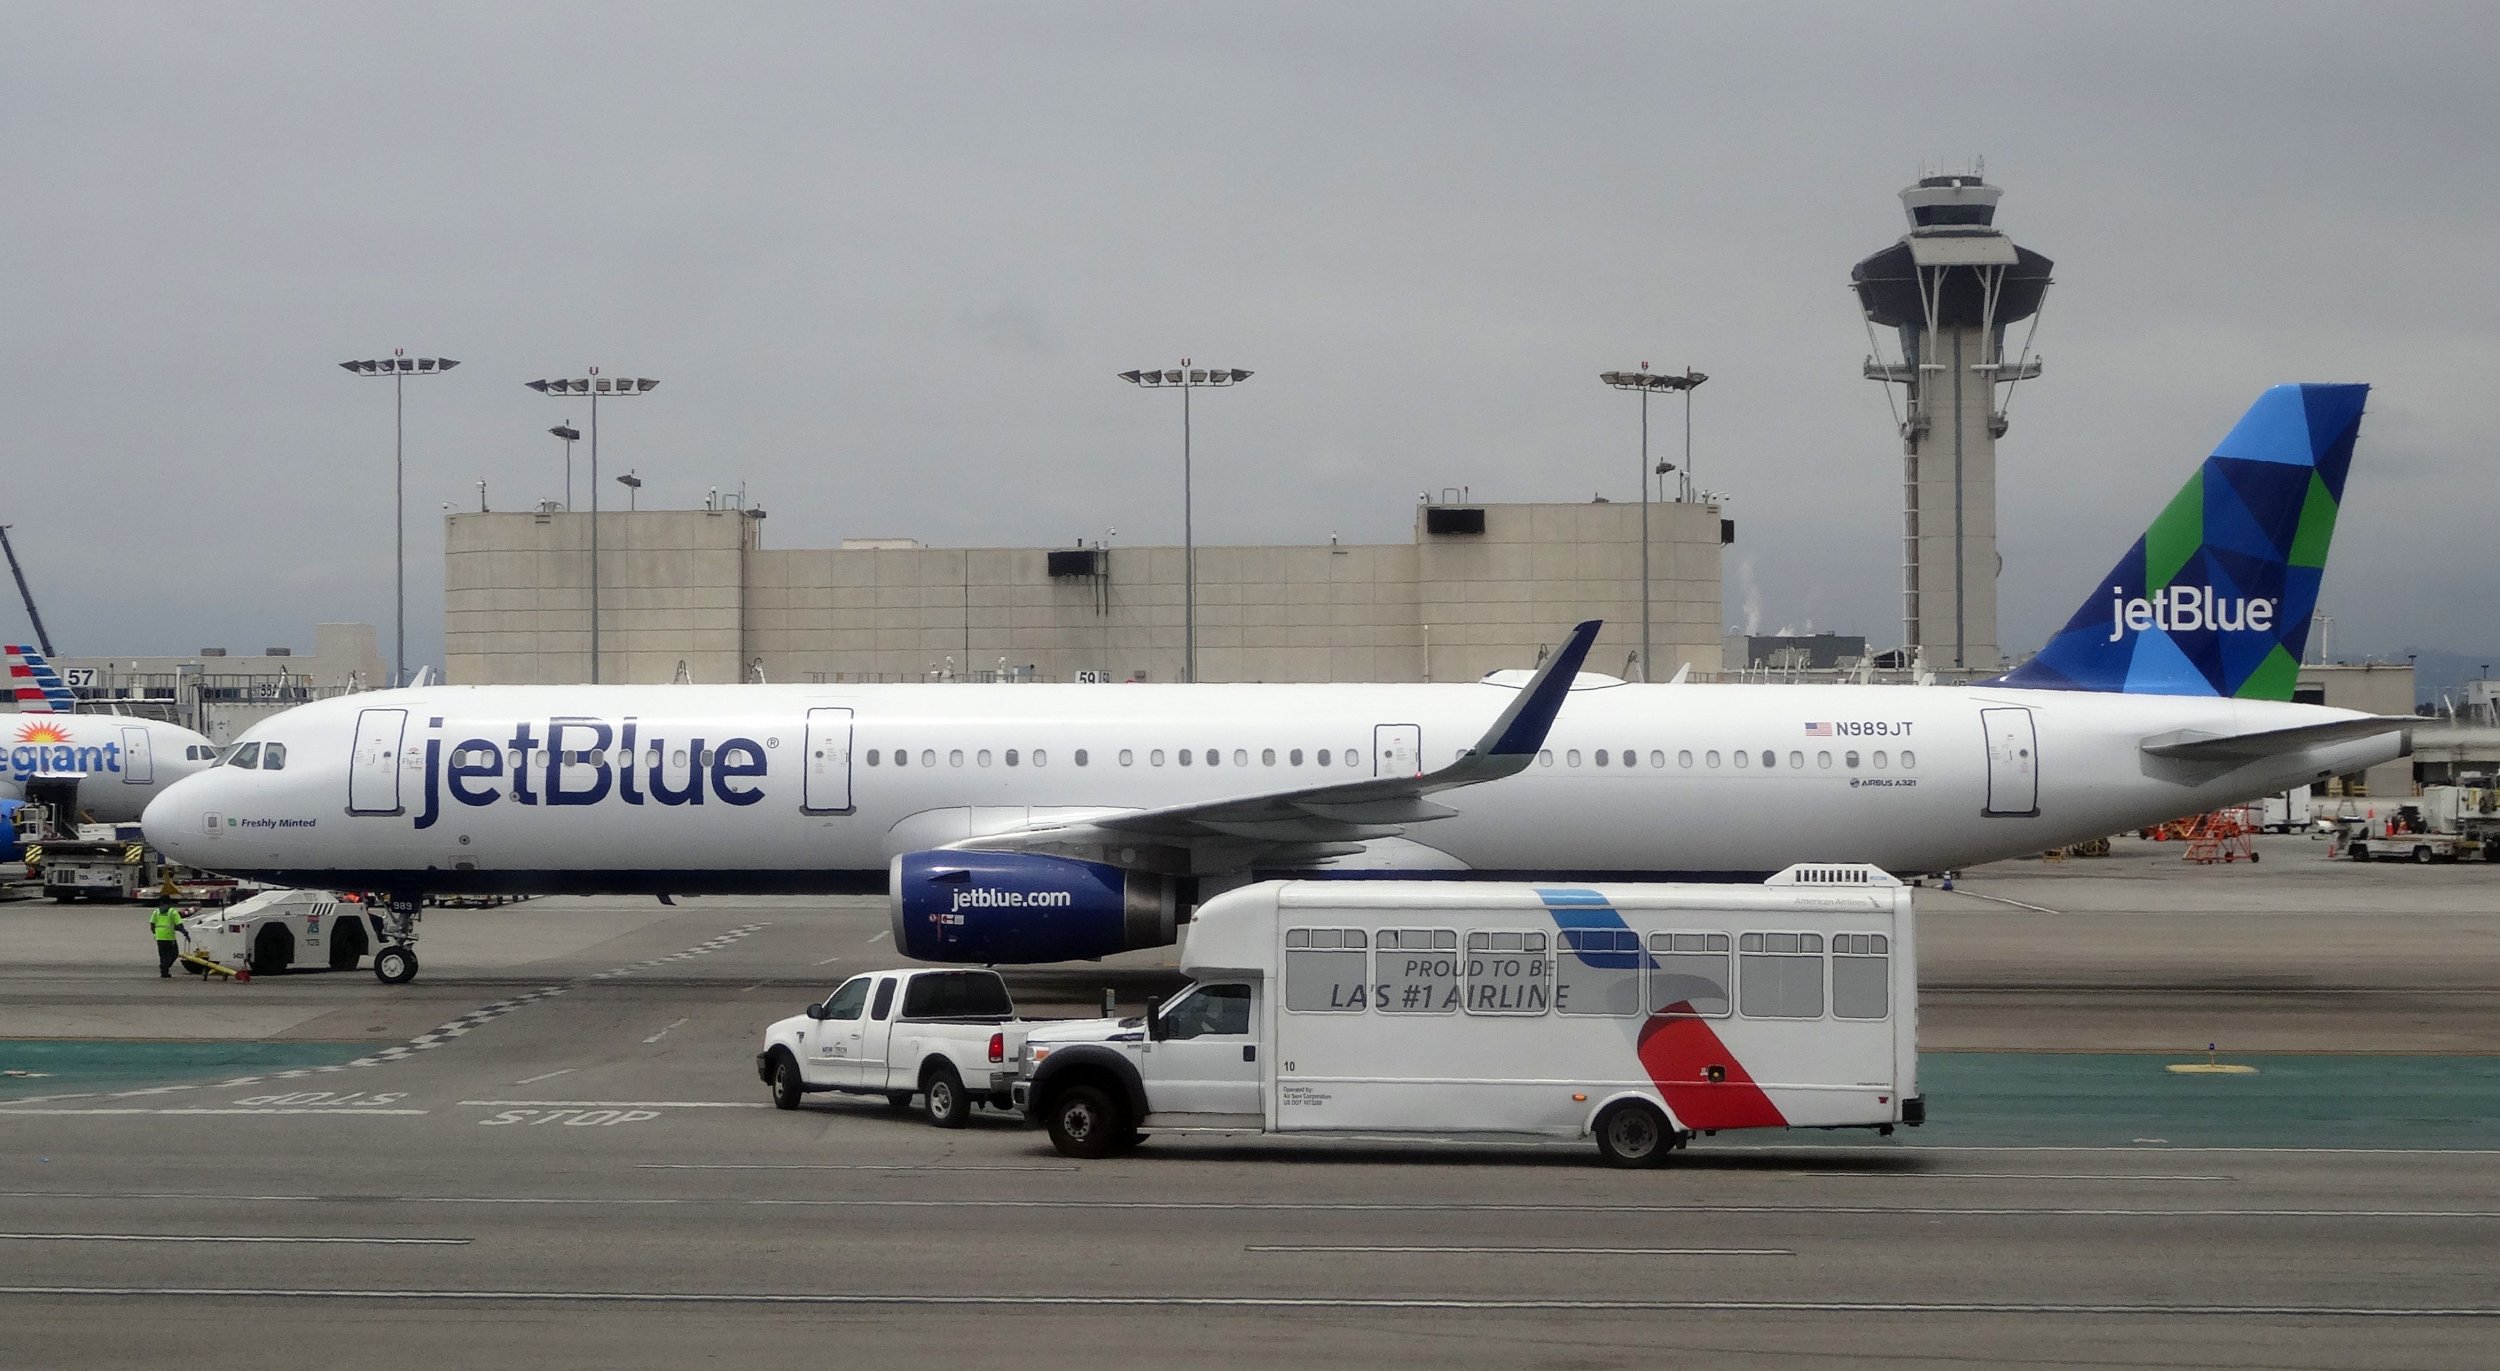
552, 1145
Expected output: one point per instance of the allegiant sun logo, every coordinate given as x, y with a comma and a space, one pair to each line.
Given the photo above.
43, 733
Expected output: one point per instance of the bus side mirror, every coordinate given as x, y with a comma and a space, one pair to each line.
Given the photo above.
1154, 1018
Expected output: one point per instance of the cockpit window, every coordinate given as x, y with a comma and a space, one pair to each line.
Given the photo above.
273, 757
245, 758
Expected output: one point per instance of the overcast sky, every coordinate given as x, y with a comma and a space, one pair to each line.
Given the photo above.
885, 261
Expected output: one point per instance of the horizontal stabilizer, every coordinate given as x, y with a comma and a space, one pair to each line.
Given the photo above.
2194, 746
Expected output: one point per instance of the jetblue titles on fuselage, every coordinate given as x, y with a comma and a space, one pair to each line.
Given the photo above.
581, 760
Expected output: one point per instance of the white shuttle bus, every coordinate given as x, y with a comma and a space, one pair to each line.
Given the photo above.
1640, 1015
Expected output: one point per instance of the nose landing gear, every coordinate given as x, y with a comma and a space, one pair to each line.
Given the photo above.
396, 963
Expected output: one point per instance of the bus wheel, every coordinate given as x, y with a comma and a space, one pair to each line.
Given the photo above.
1632, 1133
1087, 1122
395, 965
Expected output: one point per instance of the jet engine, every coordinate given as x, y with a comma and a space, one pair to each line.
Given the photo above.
995, 908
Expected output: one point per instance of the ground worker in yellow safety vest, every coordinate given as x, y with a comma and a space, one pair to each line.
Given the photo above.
166, 924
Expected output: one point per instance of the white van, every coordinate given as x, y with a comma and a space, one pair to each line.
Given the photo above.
1640, 1015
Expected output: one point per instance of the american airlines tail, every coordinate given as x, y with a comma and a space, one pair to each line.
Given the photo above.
34, 687
2216, 597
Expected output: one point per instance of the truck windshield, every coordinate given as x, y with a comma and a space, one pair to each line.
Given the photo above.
1209, 1009
957, 995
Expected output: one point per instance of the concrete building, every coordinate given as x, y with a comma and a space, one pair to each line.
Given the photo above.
222, 693
2374, 687
1478, 587
1948, 290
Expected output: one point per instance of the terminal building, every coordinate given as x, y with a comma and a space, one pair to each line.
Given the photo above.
220, 692
695, 595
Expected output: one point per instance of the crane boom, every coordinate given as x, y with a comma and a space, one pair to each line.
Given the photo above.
42, 639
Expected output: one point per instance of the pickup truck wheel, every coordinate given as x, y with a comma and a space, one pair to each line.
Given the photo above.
2421, 856
787, 1087
1632, 1133
949, 1106
1087, 1122
898, 1099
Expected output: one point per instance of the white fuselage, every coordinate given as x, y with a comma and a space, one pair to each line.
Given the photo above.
796, 788
121, 763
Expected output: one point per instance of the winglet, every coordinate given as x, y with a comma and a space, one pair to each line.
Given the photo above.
1522, 728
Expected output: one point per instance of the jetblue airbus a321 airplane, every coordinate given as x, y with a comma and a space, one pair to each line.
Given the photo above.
1024, 823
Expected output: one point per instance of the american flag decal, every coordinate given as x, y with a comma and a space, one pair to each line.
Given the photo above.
1818, 730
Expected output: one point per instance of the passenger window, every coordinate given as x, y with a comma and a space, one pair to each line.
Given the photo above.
1796, 761
1769, 759
1909, 759
1658, 759
1127, 758
1507, 973
1323, 756
1352, 758
1155, 757
1823, 760
1600, 757
1545, 757
1324, 970
1040, 758
872, 756
1598, 973
1780, 975
984, 757
1849, 759
1417, 970
1861, 976
1184, 758
1241, 757
955, 756
1011, 756
845, 1004
1713, 760
1631, 757
676, 758
273, 757
1294, 756
1209, 1011
1571, 757
885, 999
245, 758
1743, 760
1267, 756
902, 756
1880, 760
1685, 760
1080, 756
928, 756
1688, 975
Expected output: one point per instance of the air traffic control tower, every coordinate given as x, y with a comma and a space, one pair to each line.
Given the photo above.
1949, 289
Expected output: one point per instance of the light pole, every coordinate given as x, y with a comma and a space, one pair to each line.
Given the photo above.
633, 489
1645, 382
1186, 379
399, 366
569, 434
598, 388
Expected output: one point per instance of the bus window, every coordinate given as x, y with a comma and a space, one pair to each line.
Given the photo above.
1780, 975
1324, 970
1417, 970
1598, 972
1861, 976
1688, 975
1507, 972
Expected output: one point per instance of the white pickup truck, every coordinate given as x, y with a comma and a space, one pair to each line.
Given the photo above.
948, 1037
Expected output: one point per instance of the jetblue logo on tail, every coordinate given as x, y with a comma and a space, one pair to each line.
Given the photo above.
2186, 609
2215, 598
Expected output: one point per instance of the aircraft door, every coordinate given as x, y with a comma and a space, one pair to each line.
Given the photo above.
138, 764
1397, 750
827, 788
2013, 763
373, 767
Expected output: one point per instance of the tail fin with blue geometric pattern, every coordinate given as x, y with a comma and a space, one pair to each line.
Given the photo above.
2215, 598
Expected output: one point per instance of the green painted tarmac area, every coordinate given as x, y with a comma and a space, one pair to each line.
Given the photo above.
2008, 1099
66, 1066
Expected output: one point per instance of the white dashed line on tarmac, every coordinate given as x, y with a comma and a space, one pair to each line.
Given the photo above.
663, 1032
547, 1076
1998, 1176
838, 1166
227, 1294
1531, 1251
620, 1104
112, 1111
233, 1237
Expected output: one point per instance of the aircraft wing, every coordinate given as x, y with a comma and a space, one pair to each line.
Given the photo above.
2195, 746
1314, 821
